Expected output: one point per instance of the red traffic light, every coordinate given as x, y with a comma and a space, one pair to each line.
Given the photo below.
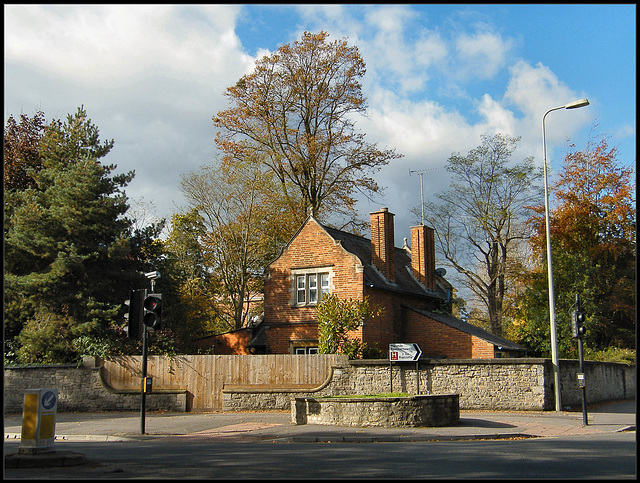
153, 311
152, 303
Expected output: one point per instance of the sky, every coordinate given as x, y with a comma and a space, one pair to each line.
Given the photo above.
151, 77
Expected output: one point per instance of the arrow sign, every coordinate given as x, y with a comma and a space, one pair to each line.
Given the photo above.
404, 352
48, 399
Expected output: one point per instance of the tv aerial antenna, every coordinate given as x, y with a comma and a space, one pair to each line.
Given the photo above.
420, 173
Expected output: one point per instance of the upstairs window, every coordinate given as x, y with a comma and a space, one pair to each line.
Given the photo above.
302, 289
310, 287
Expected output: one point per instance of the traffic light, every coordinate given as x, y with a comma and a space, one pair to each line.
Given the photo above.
578, 325
134, 316
153, 311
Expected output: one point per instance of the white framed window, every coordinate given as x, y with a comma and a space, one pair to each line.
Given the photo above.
324, 284
301, 289
313, 288
306, 350
310, 285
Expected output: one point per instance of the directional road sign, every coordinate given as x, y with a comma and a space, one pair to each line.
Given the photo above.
404, 352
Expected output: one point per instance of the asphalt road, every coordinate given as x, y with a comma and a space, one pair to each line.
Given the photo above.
611, 456
265, 445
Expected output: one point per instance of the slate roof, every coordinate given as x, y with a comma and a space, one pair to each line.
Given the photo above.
470, 329
405, 282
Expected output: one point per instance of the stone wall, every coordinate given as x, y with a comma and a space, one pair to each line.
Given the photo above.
393, 412
493, 384
603, 382
82, 389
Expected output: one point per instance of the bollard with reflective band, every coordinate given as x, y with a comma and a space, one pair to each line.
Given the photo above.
38, 420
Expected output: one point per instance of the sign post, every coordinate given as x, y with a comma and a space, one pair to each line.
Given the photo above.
404, 352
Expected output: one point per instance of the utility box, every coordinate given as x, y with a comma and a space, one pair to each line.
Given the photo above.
38, 420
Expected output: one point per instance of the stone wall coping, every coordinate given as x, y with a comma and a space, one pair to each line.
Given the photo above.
478, 362
263, 388
366, 399
43, 366
442, 361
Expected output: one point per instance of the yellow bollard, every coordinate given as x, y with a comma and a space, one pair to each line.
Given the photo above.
38, 421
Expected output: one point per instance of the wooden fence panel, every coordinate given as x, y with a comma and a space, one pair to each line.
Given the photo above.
204, 376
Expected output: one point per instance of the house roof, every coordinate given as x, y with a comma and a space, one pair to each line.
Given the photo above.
467, 328
405, 281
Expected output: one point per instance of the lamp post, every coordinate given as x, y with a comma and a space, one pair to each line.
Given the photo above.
552, 309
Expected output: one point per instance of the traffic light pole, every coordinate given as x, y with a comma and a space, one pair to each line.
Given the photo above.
578, 333
154, 310
143, 393
585, 421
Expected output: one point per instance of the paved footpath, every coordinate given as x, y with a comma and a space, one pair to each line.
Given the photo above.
276, 426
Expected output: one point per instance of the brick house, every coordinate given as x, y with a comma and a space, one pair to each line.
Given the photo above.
403, 281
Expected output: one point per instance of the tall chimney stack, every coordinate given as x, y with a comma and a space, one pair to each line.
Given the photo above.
382, 243
423, 255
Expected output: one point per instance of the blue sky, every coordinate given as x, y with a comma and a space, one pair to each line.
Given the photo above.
438, 77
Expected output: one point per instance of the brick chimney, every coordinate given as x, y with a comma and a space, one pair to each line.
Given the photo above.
382, 243
423, 255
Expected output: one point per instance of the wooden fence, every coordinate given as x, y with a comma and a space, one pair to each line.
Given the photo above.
204, 376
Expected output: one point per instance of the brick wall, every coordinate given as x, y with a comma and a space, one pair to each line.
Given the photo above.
230, 343
312, 249
439, 340
383, 330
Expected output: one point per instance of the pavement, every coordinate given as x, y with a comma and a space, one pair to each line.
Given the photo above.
276, 426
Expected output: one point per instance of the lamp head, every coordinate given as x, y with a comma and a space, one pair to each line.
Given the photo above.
577, 104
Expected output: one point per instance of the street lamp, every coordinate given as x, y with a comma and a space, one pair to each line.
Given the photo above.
552, 309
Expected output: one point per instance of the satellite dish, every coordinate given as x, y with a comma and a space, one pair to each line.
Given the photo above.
441, 272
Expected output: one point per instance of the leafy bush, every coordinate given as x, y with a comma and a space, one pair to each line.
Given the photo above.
97, 347
611, 354
46, 339
337, 318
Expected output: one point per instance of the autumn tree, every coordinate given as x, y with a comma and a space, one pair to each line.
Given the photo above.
294, 115
67, 261
479, 221
593, 241
21, 151
190, 281
244, 226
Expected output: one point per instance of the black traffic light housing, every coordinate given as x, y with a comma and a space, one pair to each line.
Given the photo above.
152, 307
578, 324
134, 315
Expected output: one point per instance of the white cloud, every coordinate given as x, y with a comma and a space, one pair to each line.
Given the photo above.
535, 90
429, 49
389, 19
481, 55
103, 44
499, 119
151, 77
